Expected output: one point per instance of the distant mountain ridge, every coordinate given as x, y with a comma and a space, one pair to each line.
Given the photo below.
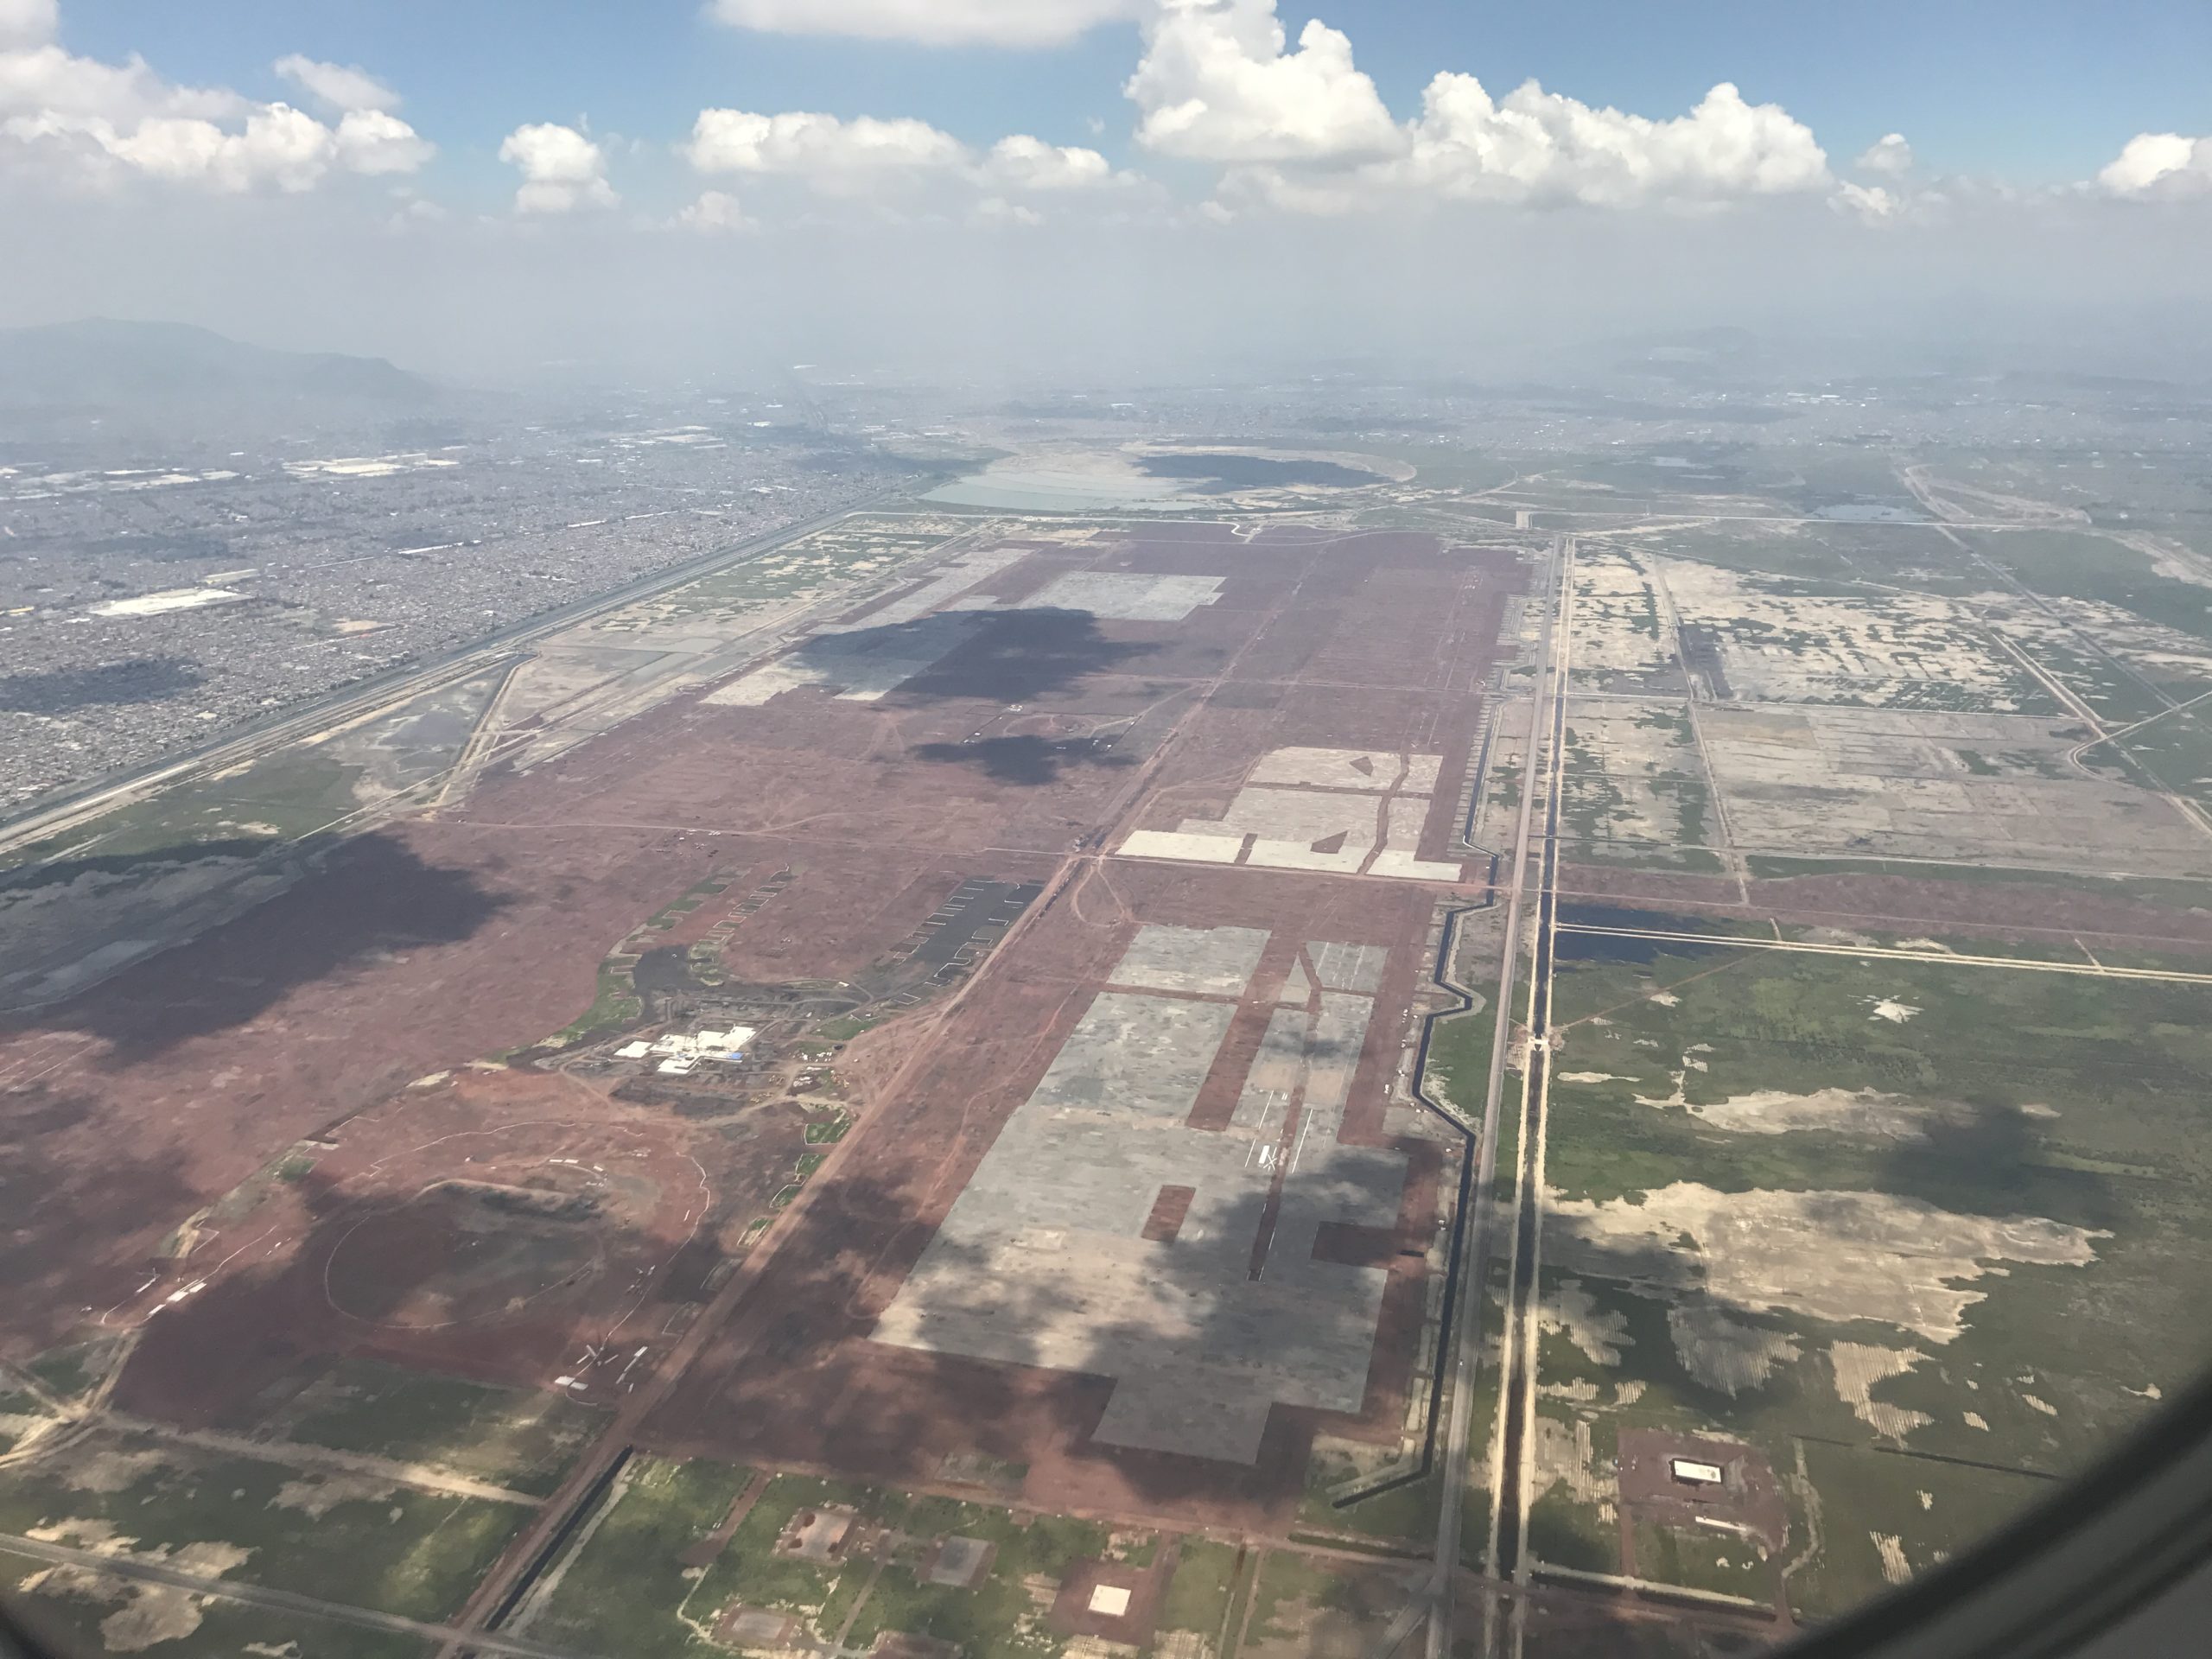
101, 361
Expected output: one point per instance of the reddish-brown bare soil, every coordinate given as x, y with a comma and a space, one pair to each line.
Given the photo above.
490, 1224
438, 942
793, 1375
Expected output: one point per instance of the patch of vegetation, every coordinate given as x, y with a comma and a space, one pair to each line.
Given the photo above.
625, 1589
617, 1005
1404, 1512
2180, 892
995, 1618
71, 1372
828, 1131
510, 1437
1287, 1582
2076, 564
748, 1570
67, 1610
1564, 1533
1865, 1493
394, 1549
1700, 1558
2071, 1098
1207, 1577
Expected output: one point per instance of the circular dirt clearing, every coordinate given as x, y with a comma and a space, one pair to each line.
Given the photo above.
465, 1253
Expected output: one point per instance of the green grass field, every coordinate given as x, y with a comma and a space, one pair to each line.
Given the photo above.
996, 1618
625, 1589
1209, 1578
340, 1537
2070, 1098
82, 1613
509, 1437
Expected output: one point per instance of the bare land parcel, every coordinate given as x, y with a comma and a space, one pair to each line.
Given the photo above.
818, 1074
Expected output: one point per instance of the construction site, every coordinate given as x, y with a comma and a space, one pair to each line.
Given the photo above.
1078, 1084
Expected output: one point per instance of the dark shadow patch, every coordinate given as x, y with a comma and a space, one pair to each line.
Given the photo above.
666, 969
371, 895
159, 860
1018, 657
48, 1192
59, 690
1027, 760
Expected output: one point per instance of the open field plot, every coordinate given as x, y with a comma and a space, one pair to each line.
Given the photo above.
333, 1133
1942, 1214
1896, 712
1917, 556
116, 886
1305, 1605
1050, 1257
1204, 1593
2163, 497
1624, 637
1943, 786
858, 548
628, 1584
699, 1557
289, 791
1765, 640
2123, 667
1145, 1115
1564, 1626
2074, 564
521, 1439
82, 1610
342, 1537
472, 1224
1635, 786
1007, 1610
610, 669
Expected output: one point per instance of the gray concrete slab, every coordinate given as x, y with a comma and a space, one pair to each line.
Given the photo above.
1210, 961
1041, 1261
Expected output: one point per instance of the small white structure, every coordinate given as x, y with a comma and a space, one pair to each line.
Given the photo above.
1111, 1599
1690, 1472
636, 1051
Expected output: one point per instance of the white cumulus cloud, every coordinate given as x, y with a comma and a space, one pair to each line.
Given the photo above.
562, 170
1217, 85
841, 158
1540, 146
27, 22
822, 149
375, 142
715, 212
933, 22
1889, 155
81, 121
1871, 202
2160, 164
1305, 130
1021, 163
335, 86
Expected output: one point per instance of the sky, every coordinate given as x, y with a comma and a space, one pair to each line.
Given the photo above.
966, 184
